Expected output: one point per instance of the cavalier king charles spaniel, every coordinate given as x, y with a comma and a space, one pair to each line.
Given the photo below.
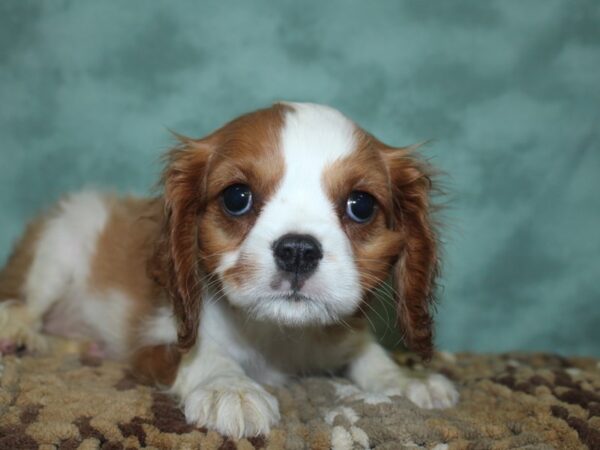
254, 265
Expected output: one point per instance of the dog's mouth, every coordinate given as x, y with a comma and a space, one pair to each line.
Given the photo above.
296, 296
293, 308
292, 292
293, 297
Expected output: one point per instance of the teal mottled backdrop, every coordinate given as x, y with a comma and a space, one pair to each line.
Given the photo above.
508, 91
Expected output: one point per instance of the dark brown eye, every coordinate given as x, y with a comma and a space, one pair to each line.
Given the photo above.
360, 206
237, 199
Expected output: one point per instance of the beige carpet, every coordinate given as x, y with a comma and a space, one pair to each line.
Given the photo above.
531, 401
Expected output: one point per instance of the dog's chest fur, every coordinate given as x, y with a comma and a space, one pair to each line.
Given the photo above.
269, 353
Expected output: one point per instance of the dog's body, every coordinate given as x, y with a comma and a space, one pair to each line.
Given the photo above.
255, 264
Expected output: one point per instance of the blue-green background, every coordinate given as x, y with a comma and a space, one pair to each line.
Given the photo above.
509, 91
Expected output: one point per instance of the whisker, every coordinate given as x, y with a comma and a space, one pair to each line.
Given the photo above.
371, 324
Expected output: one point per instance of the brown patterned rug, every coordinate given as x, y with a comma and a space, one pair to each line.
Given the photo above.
532, 401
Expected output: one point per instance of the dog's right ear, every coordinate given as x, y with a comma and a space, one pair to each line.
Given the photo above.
174, 264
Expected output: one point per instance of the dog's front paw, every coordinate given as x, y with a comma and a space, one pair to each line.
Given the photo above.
232, 405
435, 391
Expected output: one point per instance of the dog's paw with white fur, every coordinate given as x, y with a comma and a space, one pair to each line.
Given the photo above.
234, 406
374, 371
17, 331
435, 391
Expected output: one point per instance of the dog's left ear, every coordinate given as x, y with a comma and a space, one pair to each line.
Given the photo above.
174, 264
416, 268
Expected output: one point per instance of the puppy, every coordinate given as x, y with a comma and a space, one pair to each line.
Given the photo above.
256, 263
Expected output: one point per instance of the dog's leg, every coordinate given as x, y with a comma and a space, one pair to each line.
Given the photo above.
19, 329
21, 321
52, 256
22, 306
217, 394
373, 370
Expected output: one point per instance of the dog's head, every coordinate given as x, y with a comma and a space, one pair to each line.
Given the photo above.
295, 215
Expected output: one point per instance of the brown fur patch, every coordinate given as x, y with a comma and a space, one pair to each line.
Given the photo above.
417, 268
122, 252
248, 153
375, 246
124, 247
156, 364
400, 237
196, 231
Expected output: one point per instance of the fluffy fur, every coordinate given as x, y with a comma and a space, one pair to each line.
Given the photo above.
192, 296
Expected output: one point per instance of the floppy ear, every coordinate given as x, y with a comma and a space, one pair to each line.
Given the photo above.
416, 269
175, 261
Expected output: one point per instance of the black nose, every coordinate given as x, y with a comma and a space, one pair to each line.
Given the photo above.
297, 253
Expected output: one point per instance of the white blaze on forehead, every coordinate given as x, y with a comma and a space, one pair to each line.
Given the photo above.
313, 137
315, 134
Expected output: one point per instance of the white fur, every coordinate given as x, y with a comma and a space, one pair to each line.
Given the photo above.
63, 254
56, 287
255, 336
161, 328
61, 269
243, 351
213, 387
313, 137
374, 371
269, 352
436, 391
265, 336
107, 314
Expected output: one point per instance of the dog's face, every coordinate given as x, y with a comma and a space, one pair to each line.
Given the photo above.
294, 215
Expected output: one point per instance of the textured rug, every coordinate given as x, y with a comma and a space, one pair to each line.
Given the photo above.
533, 401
